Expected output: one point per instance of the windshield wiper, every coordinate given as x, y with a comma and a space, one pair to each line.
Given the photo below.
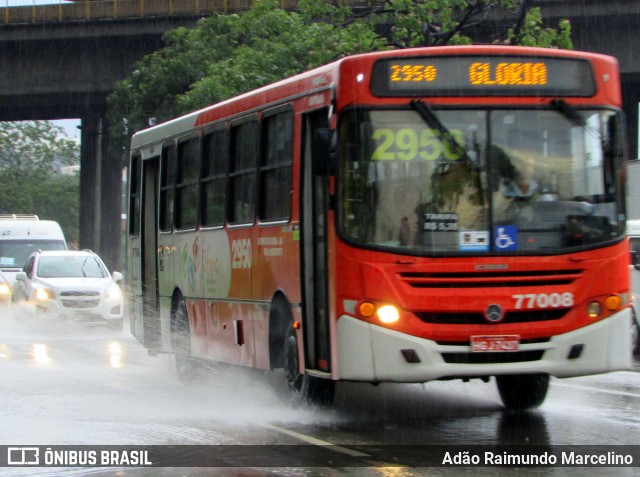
425, 111
569, 112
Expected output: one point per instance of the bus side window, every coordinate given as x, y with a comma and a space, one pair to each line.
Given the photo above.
215, 164
275, 167
242, 172
187, 184
167, 178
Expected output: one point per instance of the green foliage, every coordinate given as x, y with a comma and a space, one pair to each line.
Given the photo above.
30, 152
532, 33
225, 55
271, 44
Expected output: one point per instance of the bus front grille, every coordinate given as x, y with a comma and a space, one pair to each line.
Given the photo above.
477, 318
484, 279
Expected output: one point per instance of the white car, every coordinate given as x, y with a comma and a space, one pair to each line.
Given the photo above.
71, 284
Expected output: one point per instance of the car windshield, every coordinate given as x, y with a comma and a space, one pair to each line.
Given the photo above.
70, 266
487, 181
14, 253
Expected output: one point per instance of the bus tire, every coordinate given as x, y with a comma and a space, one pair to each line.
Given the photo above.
302, 388
186, 366
522, 391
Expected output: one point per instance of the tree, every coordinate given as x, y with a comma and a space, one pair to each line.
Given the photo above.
30, 154
225, 55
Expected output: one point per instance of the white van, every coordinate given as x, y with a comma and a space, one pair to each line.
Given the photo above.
20, 236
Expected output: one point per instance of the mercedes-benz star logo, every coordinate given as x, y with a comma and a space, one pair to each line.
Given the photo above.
494, 313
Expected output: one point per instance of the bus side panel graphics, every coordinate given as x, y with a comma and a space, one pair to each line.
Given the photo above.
187, 261
216, 263
241, 253
227, 257
276, 262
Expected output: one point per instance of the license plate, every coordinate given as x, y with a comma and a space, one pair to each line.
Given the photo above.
481, 344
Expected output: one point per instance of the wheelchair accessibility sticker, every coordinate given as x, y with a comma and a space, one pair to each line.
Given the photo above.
505, 237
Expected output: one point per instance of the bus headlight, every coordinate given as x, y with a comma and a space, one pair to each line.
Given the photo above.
388, 314
594, 309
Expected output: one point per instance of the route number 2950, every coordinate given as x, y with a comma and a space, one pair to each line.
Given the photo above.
241, 256
544, 300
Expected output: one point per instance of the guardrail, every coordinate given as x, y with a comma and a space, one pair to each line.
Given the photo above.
90, 10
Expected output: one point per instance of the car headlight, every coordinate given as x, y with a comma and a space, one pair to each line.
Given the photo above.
44, 294
113, 292
4, 289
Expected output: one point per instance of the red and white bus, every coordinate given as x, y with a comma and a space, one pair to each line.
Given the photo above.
398, 216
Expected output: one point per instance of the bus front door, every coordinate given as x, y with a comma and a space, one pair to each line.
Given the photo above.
314, 208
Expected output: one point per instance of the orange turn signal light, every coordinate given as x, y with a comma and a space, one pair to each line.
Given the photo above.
613, 302
367, 309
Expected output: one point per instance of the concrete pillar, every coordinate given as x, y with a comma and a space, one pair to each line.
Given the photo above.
100, 193
111, 233
90, 183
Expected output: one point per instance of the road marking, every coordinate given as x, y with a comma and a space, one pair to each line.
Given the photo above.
316, 442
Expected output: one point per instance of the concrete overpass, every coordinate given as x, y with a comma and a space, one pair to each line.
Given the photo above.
61, 61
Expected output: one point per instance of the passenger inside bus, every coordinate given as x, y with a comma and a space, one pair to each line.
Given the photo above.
524, 186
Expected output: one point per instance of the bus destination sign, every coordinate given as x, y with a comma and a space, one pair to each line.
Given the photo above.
483, 76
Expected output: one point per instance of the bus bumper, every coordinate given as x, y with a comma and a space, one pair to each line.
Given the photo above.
368, 352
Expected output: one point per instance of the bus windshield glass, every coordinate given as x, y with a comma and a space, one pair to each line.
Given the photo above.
486, 181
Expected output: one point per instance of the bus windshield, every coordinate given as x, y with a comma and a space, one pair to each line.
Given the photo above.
488, 181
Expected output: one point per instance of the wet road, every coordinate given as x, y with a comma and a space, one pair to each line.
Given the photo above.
72, 385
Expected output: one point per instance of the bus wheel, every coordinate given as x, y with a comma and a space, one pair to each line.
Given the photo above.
302, 388
522, 391
186, 366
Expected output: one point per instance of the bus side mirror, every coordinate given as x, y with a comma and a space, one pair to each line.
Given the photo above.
323, 152
613, 148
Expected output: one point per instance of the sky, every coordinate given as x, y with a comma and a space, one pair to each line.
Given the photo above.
70, 126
